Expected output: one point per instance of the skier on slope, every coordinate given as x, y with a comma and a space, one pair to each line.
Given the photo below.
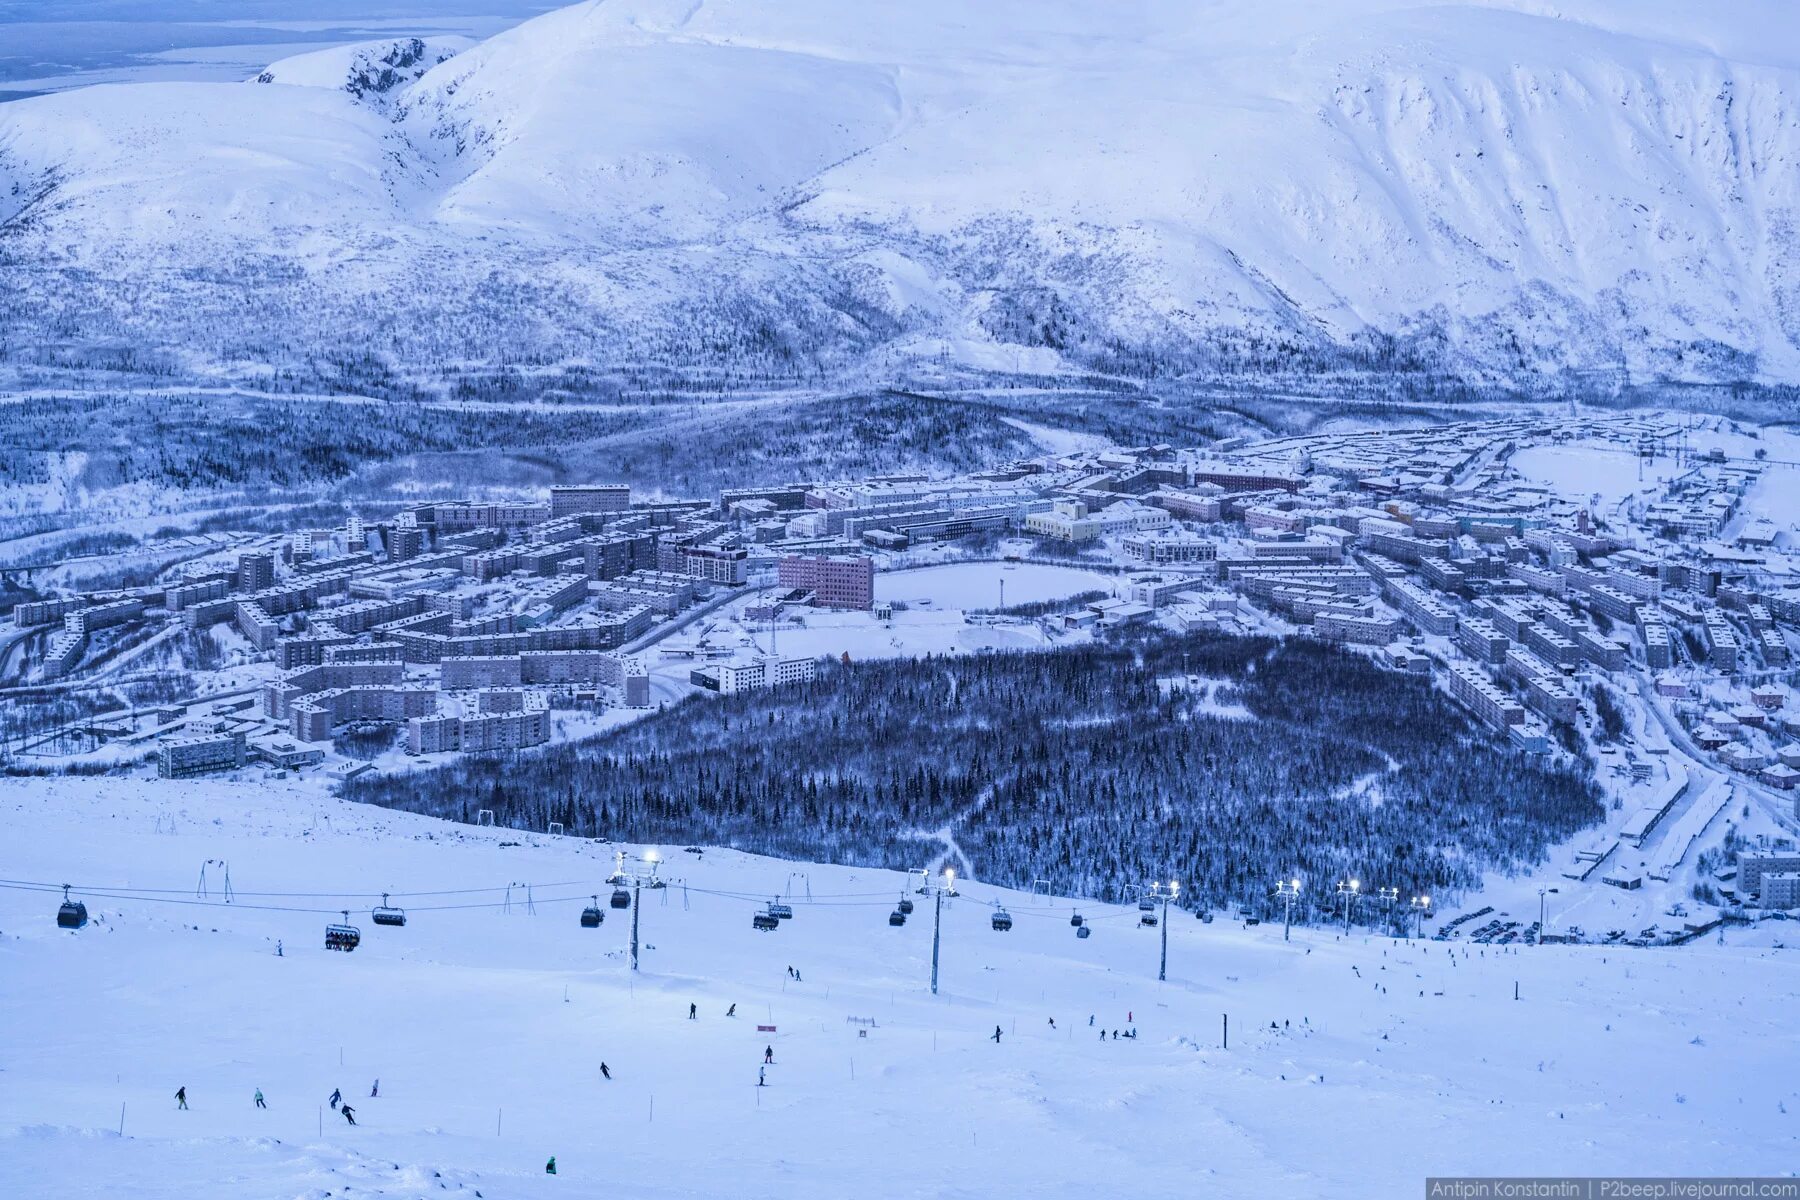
550, 1167
996, 1035
606, 1070
376, 1090
181, 1097
732, 1011
693, 1012
336, 1096
349, 1114
768, 1054
259, 1099
762, 1077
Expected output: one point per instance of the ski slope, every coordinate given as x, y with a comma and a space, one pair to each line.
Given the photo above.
486, 1028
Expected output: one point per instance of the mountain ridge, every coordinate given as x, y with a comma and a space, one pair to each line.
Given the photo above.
1508, 194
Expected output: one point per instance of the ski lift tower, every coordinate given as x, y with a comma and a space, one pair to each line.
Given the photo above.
642, 875
1349, 889
1165, 892
1289, 891
944, 886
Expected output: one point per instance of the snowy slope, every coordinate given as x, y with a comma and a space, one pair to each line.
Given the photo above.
486, 1025
366, 70
1507, 189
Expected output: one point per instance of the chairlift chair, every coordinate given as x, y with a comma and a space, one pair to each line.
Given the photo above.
780, 911
345, 937
592, 915
1146, 905
1002, 920
72, 914
1148, 920
621, 898
386, 914
896, 917
766, 921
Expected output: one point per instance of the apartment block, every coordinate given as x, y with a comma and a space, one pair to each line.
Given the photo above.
1421, 607
569, 500
836, 581
1368, 631
1481, 695
180, 758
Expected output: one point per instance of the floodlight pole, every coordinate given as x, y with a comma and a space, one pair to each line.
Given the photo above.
637, 906
937, 917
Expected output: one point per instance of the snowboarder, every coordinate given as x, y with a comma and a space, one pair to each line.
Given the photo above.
375, 1090
550, 1167
1103, 1035
335, 1097
796, 976
1090, 1020
278, 953
762, 1077
349, 1114
181, 1097
790, 972
1053, 1022
732, 1011
259, 1099
996, 1035
693, 1012
768, 1054
1115, 1035
606, 1070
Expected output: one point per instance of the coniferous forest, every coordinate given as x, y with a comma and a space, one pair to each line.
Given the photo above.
1097, 768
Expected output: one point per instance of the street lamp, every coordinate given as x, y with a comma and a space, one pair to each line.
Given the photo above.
1348, 889
1288, 890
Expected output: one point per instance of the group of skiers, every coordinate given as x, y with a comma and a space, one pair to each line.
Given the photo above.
336, 1099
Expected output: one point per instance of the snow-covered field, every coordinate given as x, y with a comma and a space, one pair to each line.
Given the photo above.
1386, 1061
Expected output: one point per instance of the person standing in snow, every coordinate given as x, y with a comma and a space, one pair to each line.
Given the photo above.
768, 1054
349, 1114
796, 976
996, 1035
181, 1097
762, 1077
693, 1012
606, 1070
550, 1167
376, 1090
259, 1099
336, 1095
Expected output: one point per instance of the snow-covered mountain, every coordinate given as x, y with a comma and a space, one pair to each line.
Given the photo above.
1513, 190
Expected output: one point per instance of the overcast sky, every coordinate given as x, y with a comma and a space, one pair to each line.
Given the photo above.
47, 45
